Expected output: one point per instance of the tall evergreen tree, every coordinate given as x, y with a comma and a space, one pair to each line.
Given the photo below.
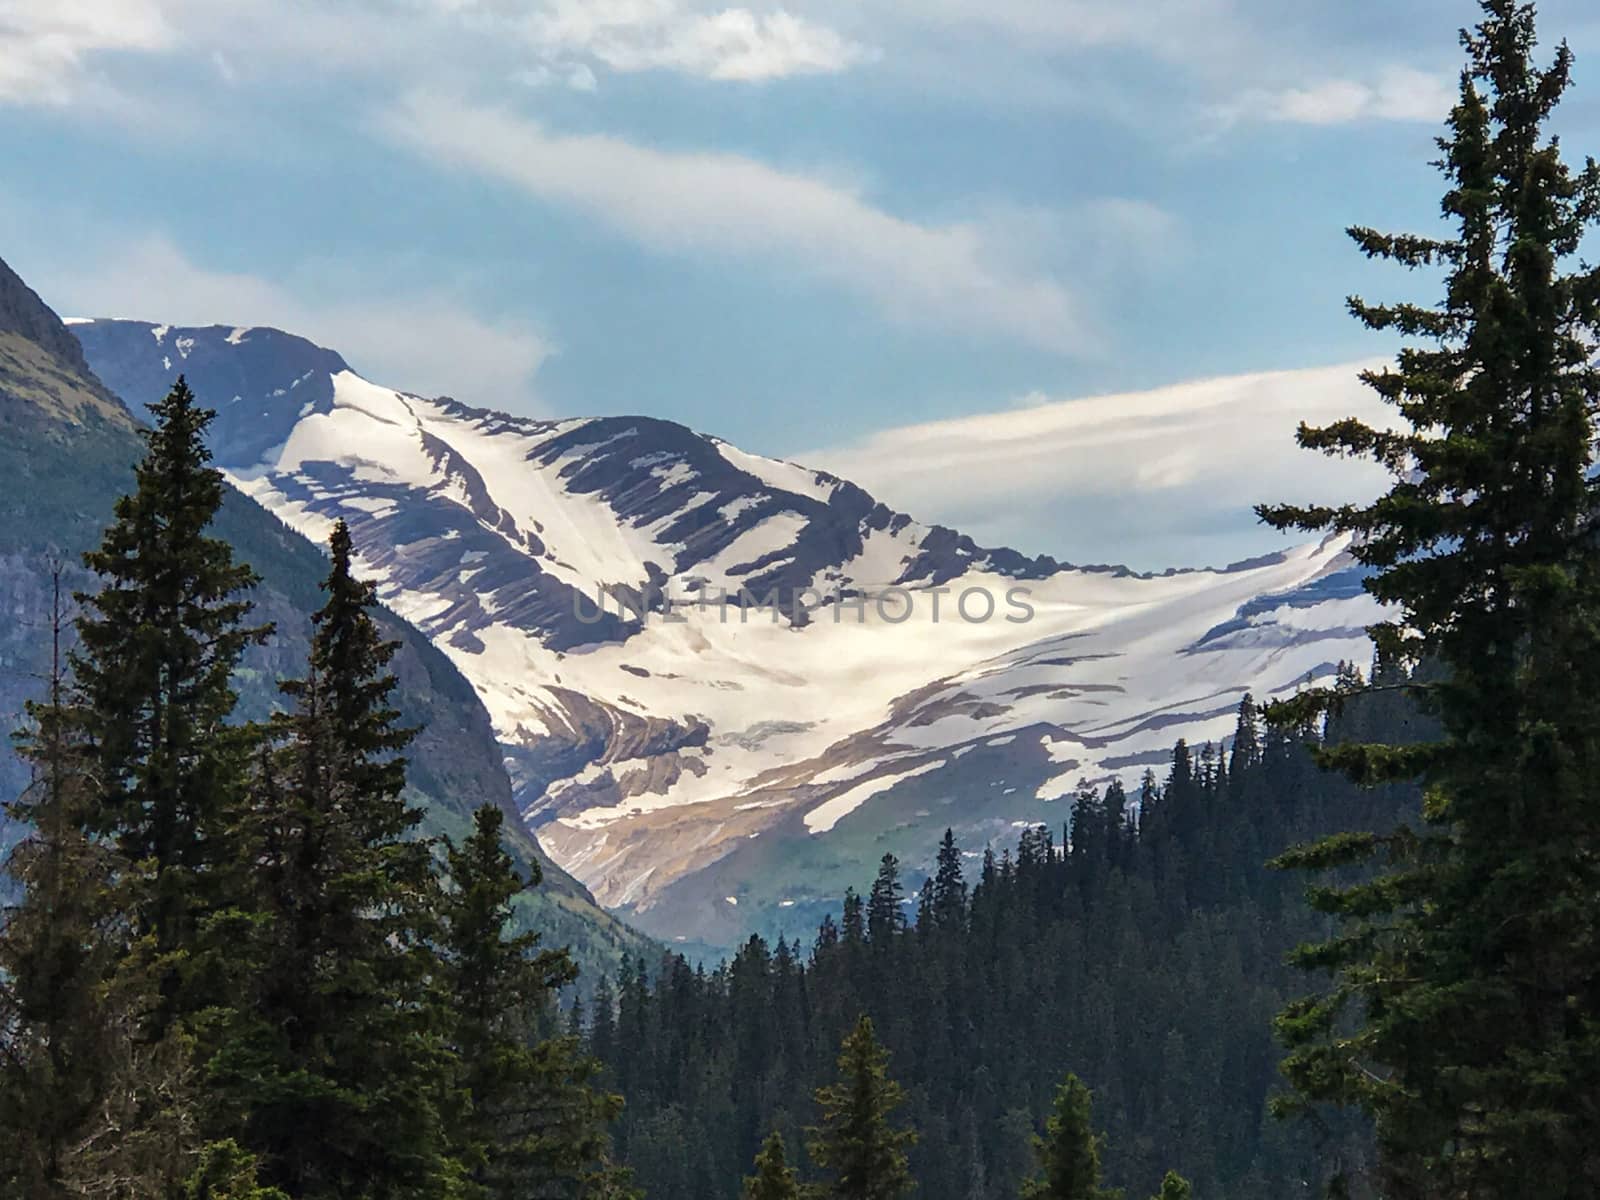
157, 646
853, 926
1465, 1013
532, 1125
856, 1142
1069, 1151
885, 916
58, 946
332, 1069
949, 885
774, 1179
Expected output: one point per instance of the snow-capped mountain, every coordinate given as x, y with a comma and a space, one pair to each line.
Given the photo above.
726, 684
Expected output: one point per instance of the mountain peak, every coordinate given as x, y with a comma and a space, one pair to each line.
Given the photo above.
718, 674
22, 313
260, 380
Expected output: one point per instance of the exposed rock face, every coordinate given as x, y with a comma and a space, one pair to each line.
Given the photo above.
67, 450
710, 767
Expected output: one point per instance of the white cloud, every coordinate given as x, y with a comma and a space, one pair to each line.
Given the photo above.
46, 49
420, 341
726, 44
1154, 479
1397, 94
945, 275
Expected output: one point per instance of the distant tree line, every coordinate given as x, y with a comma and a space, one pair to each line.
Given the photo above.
1141, 948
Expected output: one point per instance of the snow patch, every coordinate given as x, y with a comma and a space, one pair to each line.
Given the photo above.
828, 814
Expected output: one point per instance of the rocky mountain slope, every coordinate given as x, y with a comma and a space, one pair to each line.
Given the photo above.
725, 685
67, 447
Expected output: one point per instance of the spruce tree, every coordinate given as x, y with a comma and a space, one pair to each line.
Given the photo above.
1465, 1009
1069, 1151
225, 1171
157, 646
532, 1124
1174, 1187
885, 916
774, 1179
853, 926
332, 1069
949, 886
59, 945
856, 1142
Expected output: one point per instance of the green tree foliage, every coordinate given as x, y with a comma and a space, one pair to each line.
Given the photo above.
857, 1142
774, 1179
949, 889
885, 916
532, 1114
1174, 1187
227, 1172
1465, 1009
332, 1066
232, 973
157, 645
58, 946
1153, 975
1069, 1151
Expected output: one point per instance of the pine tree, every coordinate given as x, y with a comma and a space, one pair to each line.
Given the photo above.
532, 1119
774, 1179
1069, 1151
856, 1142
853, 927
157, 646
603, 1027
1246, 751
58, 946
332, 1068
1465, 1014
949, 885
225, 1171
1174, 1187
885, 916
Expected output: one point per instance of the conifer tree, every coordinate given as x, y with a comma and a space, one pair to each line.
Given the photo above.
1465, 1013
774, 1179
157, 646
853, 928
531, 1117
603, 1026
1246, 751
1174, 1187
225, 1171
885, 916
332, 1069
58, 946
949, 885
1069, 1151
856, 1141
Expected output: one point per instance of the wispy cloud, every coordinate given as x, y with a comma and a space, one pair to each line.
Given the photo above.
1397, 94
945, 275
713, 43
421, 341
1159, 478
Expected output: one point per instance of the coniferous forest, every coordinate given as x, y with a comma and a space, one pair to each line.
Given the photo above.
1352, 951
1146, 958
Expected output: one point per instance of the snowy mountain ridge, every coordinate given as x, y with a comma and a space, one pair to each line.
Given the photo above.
709, 767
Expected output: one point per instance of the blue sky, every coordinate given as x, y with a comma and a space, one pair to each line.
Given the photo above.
805, 228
